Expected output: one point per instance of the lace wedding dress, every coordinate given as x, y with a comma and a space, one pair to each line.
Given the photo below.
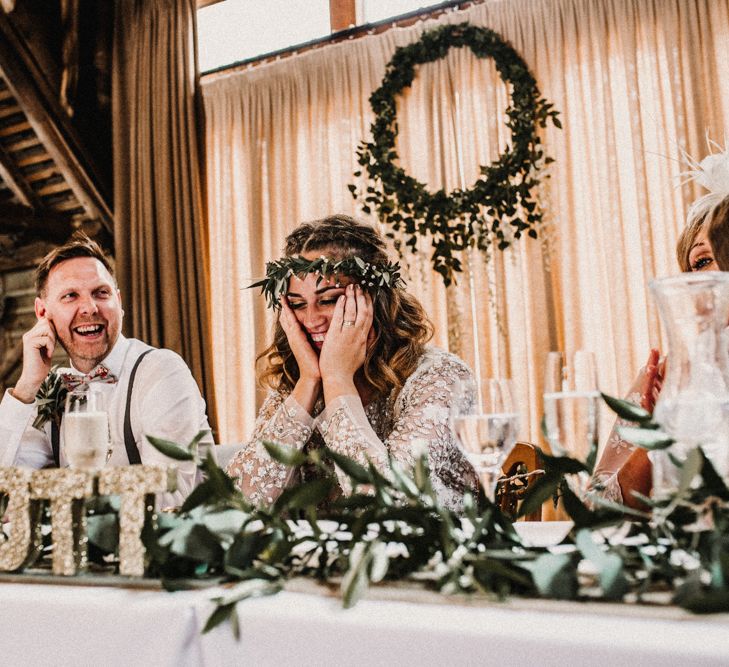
396, 427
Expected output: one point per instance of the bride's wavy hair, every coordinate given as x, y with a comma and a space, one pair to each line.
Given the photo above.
401, 326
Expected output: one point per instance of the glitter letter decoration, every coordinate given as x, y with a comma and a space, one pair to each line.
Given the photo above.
66, 488
23, 542
136, 486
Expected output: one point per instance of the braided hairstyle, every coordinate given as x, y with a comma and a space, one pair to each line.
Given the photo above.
401, 326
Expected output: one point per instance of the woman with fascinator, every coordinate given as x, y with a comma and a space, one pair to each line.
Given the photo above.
623, 467
349, 368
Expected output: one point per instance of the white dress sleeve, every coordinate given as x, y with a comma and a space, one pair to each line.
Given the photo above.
280, 420
421, 421
604, 480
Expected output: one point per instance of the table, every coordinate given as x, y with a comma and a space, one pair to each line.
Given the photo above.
306, 625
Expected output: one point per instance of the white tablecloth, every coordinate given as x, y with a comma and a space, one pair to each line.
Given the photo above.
65, 625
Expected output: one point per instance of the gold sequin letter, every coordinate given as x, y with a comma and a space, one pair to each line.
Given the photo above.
23, 540
136, 485
66, 489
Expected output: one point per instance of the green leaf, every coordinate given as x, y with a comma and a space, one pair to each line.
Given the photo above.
226, 523
700, 599
577, 510
539, 492
220, 614
355, 580
304, 495
170, 449
562, 464
690, 469
226, 604
555, 576
245, 549
646, 438
351, 468
103, 531
713, 482
610, 566
284, 454
627, 410
220, 482
199, 496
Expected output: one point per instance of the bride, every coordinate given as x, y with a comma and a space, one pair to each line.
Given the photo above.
349, 367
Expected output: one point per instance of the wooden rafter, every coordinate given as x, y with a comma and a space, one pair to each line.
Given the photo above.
12, 177
45, 116
342, 14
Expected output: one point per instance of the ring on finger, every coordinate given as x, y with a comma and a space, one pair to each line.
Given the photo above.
348, 323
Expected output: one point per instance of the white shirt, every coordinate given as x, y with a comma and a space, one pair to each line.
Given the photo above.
166, 403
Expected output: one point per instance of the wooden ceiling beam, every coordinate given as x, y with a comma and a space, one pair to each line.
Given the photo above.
30, 225
12, 177
43, 111
342, 14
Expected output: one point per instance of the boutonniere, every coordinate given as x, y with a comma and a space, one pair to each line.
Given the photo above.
50, 400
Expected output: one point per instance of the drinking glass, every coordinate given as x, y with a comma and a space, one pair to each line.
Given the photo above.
572, 410
86, 440
486, 428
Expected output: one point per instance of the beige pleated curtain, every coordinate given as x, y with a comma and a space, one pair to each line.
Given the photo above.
160, 232
633, 79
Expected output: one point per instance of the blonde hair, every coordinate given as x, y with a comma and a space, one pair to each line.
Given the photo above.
687, 238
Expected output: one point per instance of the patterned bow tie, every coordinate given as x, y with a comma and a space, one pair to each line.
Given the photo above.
77, 381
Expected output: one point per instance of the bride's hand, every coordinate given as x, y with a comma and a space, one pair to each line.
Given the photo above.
649, 381
345, 347
305, 355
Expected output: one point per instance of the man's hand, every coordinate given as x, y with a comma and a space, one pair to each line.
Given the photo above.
38, 346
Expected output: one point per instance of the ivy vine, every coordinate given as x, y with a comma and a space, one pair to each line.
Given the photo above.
502, 204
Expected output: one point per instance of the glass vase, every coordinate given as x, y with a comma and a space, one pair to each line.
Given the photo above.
693, 406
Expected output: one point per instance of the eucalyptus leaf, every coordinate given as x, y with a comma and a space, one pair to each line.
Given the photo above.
539, 492
199, 496
284, 454
713, 482
555, 576
646, 438
304, 495
355, 580
103, 531
690, 470
352, 469
627, 410
170, 449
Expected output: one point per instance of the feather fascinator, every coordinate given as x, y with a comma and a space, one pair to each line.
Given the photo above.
711, 173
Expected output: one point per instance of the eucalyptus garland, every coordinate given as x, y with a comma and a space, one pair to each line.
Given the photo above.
502, 204
372, 277
393, 528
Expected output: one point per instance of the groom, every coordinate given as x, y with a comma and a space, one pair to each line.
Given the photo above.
147, 391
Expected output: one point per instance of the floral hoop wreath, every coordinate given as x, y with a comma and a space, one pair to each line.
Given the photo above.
371, 277
501, 204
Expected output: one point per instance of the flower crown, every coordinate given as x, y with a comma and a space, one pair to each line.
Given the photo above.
713, 174
371, 277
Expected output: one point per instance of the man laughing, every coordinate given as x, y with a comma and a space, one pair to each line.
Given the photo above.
147, 391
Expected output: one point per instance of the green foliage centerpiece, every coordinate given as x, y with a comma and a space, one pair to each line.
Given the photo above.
502, 203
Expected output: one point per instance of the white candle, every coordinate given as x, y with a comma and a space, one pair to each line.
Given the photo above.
86, 439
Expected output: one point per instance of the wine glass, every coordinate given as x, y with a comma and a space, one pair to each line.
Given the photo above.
486, 428
571, 410
86, 440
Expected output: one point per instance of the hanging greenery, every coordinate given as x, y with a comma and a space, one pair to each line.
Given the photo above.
501, 205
